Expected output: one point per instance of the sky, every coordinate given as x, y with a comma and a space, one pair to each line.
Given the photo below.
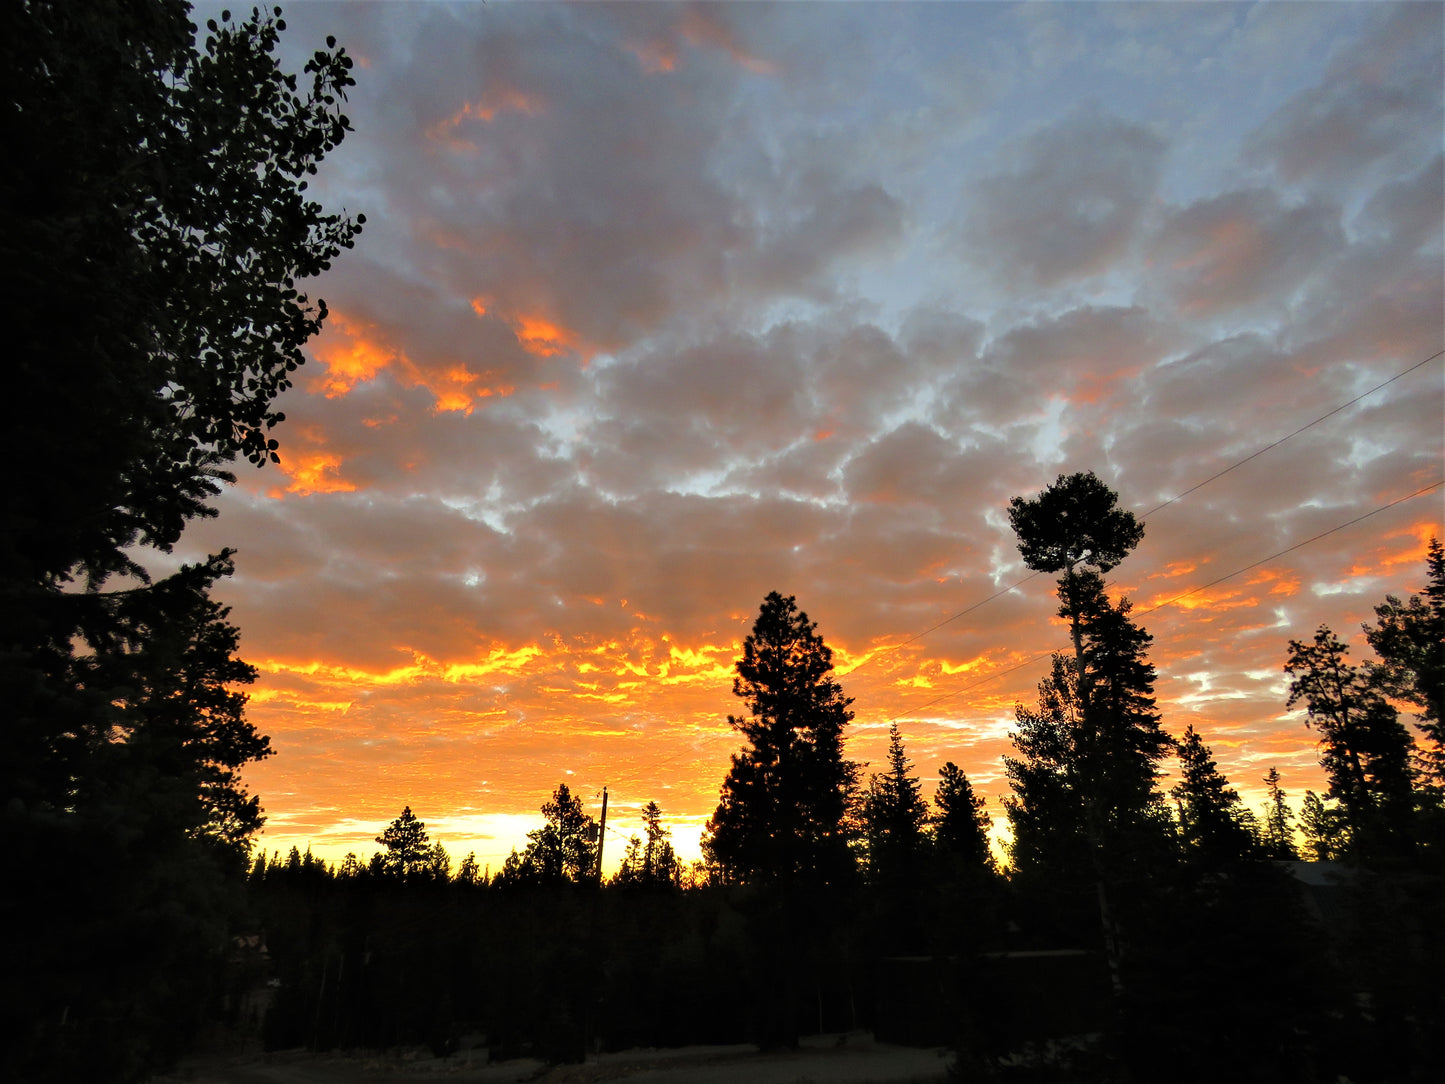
659, 308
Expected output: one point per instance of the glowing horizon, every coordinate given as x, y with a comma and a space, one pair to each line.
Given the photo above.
659, 308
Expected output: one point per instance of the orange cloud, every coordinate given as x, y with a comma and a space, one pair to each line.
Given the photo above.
699, 28
1091, 387
1409, 548
1174, 569
1283, 582
484, 110
660, 54
1224, 597
422, 667
310, 466
354, 352
537, 333
542, 337
656, 56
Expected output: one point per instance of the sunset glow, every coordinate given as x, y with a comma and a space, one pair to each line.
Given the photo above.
659, 308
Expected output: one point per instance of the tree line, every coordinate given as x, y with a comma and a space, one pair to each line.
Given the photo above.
814, 885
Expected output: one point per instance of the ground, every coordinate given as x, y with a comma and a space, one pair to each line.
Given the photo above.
852, 1058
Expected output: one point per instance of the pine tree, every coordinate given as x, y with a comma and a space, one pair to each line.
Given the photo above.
1278, 832
1212, 824
438, 864
1089, 763
783, 815
1075, 523
562, 851
469, 872
1046, 809
1364, 748
157, 233
961, 822
630, 871
659, 865
895, 817
1085, 781
1409, 640
350, 868
651, 863
1326, 833
409, 852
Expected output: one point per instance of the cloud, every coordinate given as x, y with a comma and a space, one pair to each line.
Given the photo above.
1067, 202
914, 464
1376, 110
823, 225
1243, 250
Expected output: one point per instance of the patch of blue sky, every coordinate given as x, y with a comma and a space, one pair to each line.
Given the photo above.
488, 508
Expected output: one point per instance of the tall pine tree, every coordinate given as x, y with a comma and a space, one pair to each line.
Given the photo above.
409, 852
961, 822
784, 812
1278, 828
1088, 765
1364, 748
1212, 826
1409, 640
894, 818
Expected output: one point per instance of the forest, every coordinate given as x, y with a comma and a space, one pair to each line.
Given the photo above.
1125, 926
158, 229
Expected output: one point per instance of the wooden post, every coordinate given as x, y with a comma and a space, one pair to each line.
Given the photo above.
601, 835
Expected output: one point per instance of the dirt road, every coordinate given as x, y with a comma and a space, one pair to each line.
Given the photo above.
845, 1059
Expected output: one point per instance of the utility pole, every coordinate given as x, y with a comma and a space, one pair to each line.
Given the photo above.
601, 835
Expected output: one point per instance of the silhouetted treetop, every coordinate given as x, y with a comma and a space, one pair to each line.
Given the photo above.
1075, 521
1278, 837
961, 824
895, 817
409, 852
1212, 824
563, 851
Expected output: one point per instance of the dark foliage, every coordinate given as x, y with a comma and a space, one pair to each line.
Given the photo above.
1409, 643
784, 816
895, 819
1277, 839
1364, 748
961, 824
153, 228
563, 851
650, 864
1076, 521
1212, 828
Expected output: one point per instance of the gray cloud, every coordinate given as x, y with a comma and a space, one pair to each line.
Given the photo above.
1243, 251
1376, 110
1067, 202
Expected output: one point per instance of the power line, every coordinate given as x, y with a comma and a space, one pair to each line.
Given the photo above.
1297, 432
1297, 545
637, 776
945, 621
1186, 594
1144, 516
